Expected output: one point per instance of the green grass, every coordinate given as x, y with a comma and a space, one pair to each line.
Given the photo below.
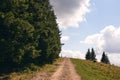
27, 74
89, 70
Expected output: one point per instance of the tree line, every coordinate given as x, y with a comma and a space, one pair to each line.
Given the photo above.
90, 55
29, 33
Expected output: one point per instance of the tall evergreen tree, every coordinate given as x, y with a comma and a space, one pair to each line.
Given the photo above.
28, 32
16, 34
105, 59
93, 56
88, 55
47, 29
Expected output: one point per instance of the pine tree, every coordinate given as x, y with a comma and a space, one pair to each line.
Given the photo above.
93, 55
88, 55
105, 59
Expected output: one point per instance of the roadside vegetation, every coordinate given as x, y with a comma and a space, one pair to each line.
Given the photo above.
89, 70
32, 71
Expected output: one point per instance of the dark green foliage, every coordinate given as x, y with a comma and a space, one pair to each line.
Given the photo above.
28, 33
91, 55
105, 59
88, 55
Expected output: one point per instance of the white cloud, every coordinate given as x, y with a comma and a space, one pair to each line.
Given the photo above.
72, 54
107, 39
114, 59
64, 38
70, 12
92, 39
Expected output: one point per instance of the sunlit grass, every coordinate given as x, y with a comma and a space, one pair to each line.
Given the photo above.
89, 70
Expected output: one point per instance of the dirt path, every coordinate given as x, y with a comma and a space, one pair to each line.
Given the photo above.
65, 71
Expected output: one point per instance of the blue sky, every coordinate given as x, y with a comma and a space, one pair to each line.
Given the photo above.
89, 23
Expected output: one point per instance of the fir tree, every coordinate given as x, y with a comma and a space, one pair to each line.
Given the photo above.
28, 32
105, 59
93, 55
88, 55
16, 33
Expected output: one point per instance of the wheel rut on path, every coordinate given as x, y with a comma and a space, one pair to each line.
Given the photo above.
65, 71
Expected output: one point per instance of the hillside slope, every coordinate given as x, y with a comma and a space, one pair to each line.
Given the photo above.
96, 71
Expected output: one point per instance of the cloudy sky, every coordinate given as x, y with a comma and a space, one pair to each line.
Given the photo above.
89, 24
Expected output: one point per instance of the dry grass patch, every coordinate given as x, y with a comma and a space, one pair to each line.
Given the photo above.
29, 74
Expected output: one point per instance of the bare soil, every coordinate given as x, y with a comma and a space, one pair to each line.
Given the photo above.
65, 71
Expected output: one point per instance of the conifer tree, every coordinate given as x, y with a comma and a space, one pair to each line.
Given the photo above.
28, 32
105, 59
16, 33
88, 55
93, 56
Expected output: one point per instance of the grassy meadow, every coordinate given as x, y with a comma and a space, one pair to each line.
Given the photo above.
89, 70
